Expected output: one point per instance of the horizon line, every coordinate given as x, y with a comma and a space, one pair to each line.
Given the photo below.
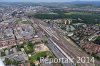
45, 1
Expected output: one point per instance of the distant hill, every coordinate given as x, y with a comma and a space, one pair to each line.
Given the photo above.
74, 4
96, 3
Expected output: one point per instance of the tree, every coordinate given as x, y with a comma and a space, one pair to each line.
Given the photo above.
14, 62
32, 64
29, 47
3, 54
8, 61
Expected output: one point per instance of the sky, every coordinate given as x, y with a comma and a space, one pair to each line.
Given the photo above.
43, 0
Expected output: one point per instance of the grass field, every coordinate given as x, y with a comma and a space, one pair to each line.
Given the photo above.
40, 54
80, 13
23, 22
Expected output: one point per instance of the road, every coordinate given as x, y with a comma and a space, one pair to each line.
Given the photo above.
68, 49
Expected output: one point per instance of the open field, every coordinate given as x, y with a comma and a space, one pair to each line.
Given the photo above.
80, 13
